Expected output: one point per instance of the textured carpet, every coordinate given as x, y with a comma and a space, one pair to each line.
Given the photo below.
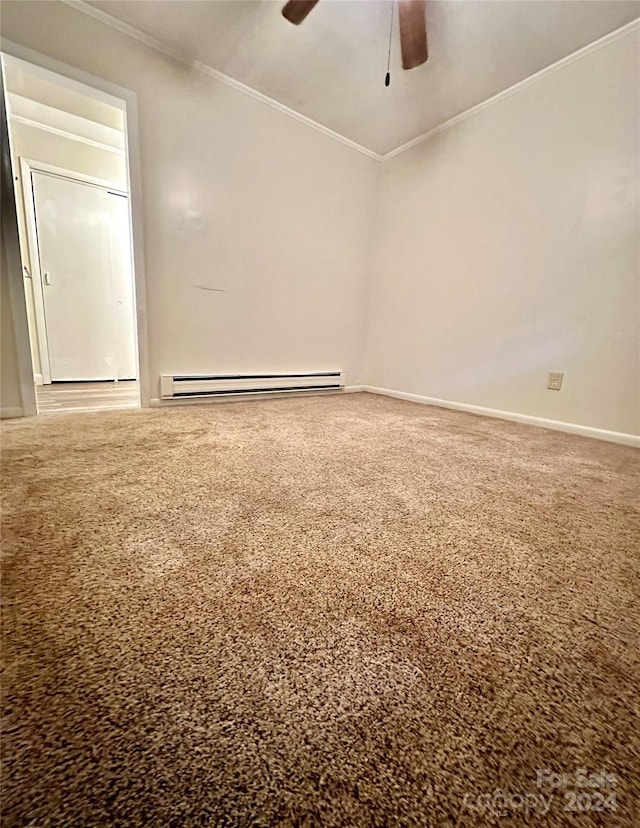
330, 611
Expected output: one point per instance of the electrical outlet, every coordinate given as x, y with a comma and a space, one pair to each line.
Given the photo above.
555, 382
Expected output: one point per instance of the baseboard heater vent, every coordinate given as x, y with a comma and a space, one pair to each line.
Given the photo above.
225, 385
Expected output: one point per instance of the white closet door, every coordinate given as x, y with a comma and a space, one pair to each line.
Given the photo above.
85, 263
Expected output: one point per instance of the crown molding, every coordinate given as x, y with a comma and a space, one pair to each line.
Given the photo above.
160, 46
205, 69
512, 90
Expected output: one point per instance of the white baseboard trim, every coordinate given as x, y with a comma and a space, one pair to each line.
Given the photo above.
38, 379
10, 413
527, 419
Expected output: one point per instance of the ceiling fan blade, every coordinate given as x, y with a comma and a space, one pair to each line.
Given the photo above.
295, 11
413, 33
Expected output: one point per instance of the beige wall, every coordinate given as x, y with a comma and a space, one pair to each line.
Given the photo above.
17, 391
256, 226
507, 247
37, 144
10, 394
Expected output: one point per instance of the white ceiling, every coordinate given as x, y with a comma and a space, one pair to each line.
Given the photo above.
332, 67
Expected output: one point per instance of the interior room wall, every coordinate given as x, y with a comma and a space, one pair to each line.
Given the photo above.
10, 394
17, 389
256, 226
30, 89
507, 247
37, 144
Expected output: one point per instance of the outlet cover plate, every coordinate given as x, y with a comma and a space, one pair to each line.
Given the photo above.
555, 381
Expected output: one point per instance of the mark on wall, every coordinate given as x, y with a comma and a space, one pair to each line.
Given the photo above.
205, 287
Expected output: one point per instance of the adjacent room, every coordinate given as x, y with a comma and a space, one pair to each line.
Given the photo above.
68, 153
320, 397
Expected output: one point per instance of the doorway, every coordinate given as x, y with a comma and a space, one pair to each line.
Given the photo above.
71, 179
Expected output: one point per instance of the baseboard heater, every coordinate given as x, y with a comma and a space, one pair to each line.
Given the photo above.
225, 385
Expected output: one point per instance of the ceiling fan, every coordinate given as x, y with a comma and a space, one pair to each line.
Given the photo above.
413, 33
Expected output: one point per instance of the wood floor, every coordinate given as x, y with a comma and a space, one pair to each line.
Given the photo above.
63, 397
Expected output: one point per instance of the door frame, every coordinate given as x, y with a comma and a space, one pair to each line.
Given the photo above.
27, 167
127, 101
